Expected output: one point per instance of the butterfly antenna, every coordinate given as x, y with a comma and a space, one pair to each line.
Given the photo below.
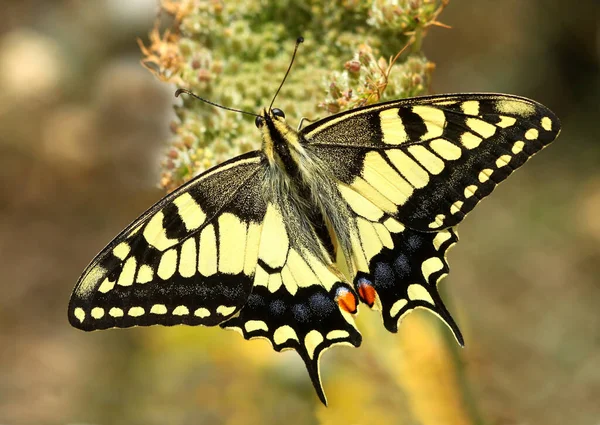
298, 41
179, 91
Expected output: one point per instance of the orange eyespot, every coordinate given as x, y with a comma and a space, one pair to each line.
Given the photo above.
366, 292
346, 300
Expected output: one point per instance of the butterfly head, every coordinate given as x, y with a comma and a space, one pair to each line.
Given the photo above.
273, 127
269, 116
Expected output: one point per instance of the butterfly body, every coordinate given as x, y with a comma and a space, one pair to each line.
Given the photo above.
285, 243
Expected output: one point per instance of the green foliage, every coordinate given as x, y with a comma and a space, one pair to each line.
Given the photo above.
236, 54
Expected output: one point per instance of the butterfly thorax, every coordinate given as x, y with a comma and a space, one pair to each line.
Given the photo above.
302, 184
281, 144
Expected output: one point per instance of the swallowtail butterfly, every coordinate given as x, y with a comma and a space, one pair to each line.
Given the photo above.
255, 243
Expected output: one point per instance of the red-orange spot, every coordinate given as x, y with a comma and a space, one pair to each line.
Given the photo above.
347, 301
367, 293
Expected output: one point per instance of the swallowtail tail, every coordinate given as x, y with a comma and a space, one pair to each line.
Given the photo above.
255, 243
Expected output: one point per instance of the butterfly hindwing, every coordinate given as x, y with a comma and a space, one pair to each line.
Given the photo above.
190, 259
405, 277
297, 302
397, 268
428, 161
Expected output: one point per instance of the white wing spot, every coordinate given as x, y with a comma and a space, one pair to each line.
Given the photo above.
439, 221
503, 161
79, 314
202, 312
337, 334
128, 272
156, 235
158, 309
145, 274
224, 310
446, 149
106, 286
485, 129
418, 292
546, 124
180, 310
256, 325
115, 312
532, 134
398, 305
470, 140
190, 212
434, 120
470, 191
439, 239
136, 311
122, 250
430, 266
470, 107
485, 175
168, 264
312, 341
515, 107
506, 122
90, 280
518, 147
97, 313
456, 207
283, 334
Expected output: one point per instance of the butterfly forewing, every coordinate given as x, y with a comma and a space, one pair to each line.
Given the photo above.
189, 259
428, 161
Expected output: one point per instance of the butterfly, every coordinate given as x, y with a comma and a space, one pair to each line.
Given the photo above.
286, 242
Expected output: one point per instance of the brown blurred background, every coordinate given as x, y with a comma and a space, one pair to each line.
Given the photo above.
82, 129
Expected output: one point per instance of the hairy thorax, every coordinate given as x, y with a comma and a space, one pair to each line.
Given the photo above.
301, 184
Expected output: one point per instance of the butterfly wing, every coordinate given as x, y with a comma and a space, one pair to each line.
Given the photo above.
298, 302
397, 268
190, 259
427, 161
412, 169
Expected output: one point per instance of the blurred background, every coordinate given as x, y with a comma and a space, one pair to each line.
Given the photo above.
83, 129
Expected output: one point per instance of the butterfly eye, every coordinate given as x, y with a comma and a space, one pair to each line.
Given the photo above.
259, 121
278, 112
